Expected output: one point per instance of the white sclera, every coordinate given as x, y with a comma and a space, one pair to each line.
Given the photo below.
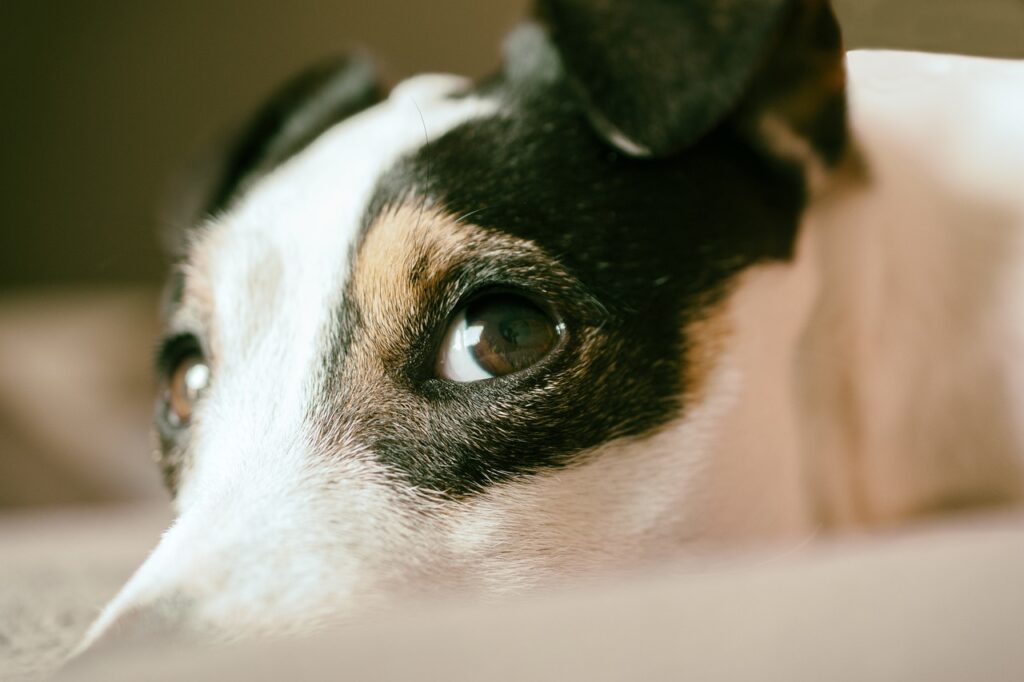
457, 361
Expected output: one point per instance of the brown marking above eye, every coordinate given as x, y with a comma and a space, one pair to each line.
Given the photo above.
406, 257
401, 255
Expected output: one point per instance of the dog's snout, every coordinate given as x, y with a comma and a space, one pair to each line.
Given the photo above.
159, 620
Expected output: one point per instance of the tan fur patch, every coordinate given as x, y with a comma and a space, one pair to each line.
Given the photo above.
408, 254
405, 253
706, 340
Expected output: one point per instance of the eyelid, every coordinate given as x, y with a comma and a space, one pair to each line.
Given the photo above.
540, 302
173, 348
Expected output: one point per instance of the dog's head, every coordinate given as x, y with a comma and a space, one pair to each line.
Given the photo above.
471, 335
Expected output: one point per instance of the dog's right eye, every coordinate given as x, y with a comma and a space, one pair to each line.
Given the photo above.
494, 336
186, 377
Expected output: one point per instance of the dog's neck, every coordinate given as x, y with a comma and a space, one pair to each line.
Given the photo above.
904, 389
908, 371
881, 369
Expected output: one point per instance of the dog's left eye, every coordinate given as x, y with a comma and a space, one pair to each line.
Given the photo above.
494, 336
187, 384
186, 379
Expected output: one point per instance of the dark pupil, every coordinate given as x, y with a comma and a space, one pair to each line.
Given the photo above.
514, 333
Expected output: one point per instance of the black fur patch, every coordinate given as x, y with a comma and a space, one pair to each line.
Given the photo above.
661, 73
645, 247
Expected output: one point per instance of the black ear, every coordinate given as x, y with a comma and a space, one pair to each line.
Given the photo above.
295, 115
657, 75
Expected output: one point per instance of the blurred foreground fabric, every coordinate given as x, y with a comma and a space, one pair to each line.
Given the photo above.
941, 602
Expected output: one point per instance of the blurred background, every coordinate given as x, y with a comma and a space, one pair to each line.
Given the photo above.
103, 102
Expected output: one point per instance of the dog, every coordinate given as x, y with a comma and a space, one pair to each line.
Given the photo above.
682, 276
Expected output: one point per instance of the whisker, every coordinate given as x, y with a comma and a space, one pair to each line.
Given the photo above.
471, 213
426, 143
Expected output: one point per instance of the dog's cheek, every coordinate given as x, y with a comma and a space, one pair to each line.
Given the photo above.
171, 457
623, 503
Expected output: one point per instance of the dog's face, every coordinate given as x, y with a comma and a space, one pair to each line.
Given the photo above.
468, 335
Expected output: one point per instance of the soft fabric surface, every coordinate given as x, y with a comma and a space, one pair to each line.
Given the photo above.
937, 602
57, 569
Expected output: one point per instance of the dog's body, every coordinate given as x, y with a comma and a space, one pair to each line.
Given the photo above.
755, 325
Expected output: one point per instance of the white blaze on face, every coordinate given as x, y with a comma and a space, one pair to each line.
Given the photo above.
250, 542
277, 266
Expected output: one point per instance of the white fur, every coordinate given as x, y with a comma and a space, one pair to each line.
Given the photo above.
275, 266
860, 383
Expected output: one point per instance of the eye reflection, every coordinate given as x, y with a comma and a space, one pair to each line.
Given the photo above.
188, 381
